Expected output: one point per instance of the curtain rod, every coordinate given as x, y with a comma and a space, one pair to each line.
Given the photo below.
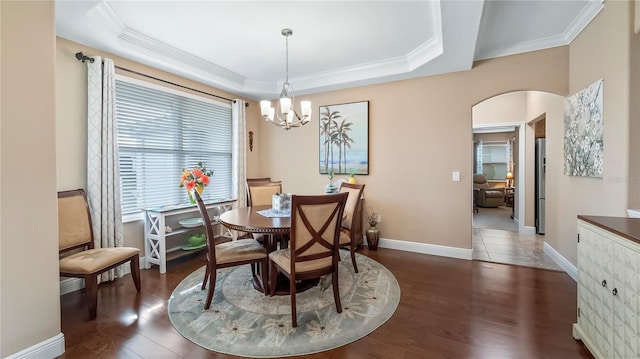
82, 57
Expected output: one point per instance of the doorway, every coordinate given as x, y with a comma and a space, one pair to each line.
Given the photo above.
496, 236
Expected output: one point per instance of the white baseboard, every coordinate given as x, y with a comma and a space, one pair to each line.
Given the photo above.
69, 285
425, 248
50, 348
528, 230
563, 262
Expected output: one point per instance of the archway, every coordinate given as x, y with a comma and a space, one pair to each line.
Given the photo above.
519, 111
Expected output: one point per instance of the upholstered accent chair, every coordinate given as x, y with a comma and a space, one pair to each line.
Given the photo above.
486, 196
75, 233
313, 247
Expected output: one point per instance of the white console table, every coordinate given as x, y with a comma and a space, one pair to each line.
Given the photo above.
609, 286
161, 246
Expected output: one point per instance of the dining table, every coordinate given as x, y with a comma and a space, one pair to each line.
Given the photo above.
276, 231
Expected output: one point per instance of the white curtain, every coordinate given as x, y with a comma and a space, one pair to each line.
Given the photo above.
479, 168
103, 175
239, 151
510, 156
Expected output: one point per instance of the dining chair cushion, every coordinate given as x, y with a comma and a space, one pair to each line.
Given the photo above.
283, 259
240, 250
94, 260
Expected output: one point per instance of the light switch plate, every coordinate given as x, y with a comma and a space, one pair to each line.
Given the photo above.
455, 176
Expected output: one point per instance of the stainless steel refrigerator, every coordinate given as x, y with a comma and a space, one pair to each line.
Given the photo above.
541, 163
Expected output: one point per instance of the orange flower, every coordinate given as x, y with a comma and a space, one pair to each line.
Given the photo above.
197, 176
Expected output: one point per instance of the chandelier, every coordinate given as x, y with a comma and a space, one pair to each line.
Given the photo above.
285, 115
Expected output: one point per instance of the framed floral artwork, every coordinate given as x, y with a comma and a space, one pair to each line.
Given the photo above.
583, 132
344, 138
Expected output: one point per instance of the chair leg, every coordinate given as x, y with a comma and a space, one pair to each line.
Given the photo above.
91, 288
212, 286
135, 271
292, 290
273, 276
352, 249
206, 276
336, 290
263, 271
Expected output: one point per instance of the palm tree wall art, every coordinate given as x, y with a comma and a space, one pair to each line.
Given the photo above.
344, 138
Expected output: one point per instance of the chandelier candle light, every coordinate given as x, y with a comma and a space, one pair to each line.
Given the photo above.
285, 115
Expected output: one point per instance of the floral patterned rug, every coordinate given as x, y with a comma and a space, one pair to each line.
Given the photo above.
244, 322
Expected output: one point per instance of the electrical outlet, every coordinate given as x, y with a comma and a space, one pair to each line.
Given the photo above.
455, 176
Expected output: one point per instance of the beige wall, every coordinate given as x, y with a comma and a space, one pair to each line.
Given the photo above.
29, 291
602, 50
420, 131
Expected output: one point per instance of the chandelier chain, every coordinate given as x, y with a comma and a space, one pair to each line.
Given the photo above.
287, 60
284, 114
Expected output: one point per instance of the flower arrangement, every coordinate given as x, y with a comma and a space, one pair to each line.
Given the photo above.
199, 176
373, 217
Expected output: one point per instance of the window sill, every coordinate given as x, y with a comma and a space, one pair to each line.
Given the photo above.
133, 217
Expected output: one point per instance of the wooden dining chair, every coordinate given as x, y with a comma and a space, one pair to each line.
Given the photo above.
260, 193
229, 254
254, 180
313, 247
75, 233
354, 202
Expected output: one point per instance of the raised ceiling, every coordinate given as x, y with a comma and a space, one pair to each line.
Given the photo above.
237, 45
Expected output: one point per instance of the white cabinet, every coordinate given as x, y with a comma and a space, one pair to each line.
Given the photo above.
161, 245
608, 288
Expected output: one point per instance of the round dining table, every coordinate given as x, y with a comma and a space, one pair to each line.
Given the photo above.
247, 219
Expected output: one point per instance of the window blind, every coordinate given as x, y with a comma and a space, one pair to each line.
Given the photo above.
162, 131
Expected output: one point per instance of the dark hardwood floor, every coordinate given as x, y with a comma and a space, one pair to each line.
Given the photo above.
449, 308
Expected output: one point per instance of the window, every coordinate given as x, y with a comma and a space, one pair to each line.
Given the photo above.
160, 132
492, 159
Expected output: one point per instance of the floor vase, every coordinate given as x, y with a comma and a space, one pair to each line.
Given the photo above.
373, 236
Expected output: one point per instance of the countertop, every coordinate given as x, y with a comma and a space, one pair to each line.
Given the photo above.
628, 228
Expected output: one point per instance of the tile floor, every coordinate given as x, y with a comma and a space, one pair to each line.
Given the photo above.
495, 239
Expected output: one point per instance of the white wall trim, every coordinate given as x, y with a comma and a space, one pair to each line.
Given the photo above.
69, 285
426, 248
50, 348
563, 262
528, 230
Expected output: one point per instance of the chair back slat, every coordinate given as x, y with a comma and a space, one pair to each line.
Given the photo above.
74, 221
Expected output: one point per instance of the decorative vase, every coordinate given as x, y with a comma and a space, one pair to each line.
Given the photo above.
330, 188
373, 236
352, 179
192, 200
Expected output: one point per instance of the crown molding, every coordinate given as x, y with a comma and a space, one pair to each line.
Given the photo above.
586, 15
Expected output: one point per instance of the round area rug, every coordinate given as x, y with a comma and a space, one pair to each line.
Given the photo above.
245, 322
